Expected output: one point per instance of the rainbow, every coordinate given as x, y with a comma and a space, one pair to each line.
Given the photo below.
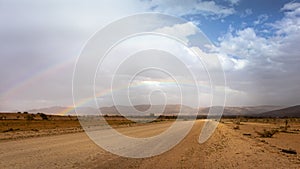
136, 85
25, 83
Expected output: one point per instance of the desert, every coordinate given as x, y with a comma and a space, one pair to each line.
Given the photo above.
60, 142
150, 84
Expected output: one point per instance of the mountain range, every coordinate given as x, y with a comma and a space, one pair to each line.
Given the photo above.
293, 111
174, 109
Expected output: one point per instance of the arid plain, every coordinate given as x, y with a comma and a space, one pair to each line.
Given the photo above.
59, 142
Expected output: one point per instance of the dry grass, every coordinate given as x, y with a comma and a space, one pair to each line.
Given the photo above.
116, 121
21, 125
33, 125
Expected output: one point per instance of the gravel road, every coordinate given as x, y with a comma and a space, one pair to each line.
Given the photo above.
225, 149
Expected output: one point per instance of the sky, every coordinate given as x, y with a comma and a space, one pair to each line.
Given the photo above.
256, 42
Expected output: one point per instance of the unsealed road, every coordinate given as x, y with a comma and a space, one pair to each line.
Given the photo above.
225, 149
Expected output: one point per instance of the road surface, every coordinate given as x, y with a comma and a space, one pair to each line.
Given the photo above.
225, 149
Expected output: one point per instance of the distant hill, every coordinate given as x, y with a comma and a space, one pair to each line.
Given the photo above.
293, 111
114, 110
145, 110
59, 110
156, 109
241, 111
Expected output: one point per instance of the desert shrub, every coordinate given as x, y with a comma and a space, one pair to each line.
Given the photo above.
286, 126
25, 112
43, 116
8, 130
29, 117
247, 134
237, 121
244, 119
236, 127
267, 133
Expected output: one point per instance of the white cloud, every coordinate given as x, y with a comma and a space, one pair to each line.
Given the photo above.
292, 6
267, 66
244, 44
291, 9
233, 2
288, 32
190, 7
290, 23
211, 8
182, 31
261, 19
246, 13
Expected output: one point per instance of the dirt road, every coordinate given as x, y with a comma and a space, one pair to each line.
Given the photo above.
225, 149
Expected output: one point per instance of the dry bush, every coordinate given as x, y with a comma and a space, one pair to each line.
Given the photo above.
43, 116
29, 117
236, 127
237, 121
267, 133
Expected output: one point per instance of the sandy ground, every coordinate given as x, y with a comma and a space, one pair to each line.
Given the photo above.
227, 148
